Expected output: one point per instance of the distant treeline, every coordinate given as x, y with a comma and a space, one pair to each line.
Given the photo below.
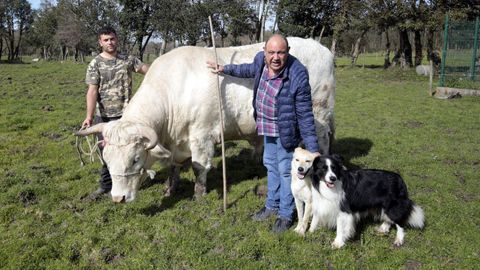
67, 28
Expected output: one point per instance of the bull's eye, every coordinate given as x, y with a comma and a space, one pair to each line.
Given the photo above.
136, 159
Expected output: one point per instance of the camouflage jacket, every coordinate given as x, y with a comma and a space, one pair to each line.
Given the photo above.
114, 80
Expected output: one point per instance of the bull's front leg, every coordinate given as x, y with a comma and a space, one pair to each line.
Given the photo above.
202, 154
172, 181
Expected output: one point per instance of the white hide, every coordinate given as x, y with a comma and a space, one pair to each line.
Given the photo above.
424, 70
178, 100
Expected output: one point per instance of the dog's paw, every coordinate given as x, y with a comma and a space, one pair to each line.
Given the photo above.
337, 244
398, 242
382, 230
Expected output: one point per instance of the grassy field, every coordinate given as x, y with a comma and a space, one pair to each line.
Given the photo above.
385, 119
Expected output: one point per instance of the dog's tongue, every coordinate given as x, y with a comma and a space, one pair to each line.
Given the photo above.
300, 176
330, 185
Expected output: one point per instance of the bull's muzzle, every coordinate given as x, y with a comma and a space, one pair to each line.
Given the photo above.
118, 199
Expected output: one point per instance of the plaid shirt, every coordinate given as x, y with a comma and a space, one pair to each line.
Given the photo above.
266, 104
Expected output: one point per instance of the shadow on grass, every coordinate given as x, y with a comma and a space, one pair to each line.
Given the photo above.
14, 62
240, 167
183, 191
350, 148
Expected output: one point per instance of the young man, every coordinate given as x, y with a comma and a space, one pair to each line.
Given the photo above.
109, 79
283, 115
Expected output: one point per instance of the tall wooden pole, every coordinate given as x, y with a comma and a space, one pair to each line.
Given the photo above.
220, 109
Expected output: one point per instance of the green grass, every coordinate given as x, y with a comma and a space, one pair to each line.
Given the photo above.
385, 119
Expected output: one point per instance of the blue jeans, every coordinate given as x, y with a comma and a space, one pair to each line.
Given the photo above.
278, 162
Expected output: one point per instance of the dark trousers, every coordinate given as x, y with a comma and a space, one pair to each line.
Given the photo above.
105, 178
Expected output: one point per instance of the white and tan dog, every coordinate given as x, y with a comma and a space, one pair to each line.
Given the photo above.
302, 187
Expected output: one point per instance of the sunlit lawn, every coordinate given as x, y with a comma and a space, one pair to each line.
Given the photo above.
385, 119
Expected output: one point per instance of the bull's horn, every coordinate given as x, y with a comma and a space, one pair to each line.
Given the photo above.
150, 135
98, 128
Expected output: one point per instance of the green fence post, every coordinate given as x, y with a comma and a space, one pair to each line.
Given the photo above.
444, 52
474, 54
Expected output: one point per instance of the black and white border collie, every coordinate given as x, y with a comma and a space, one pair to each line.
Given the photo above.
341, 197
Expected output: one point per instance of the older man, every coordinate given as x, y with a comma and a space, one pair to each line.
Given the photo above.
283, 114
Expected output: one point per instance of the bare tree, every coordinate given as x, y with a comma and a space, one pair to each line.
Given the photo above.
262, 11
17, 18
2, 23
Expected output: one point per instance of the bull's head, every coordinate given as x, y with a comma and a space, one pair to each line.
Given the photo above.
129, 151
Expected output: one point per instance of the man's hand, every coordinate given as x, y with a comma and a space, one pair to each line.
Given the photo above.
215, 69
87, 122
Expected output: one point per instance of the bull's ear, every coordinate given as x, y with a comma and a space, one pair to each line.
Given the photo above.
98, 128
160, 152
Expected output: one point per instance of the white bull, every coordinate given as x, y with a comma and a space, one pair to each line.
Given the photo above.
174, 114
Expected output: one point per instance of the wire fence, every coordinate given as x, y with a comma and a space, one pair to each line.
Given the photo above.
460, 66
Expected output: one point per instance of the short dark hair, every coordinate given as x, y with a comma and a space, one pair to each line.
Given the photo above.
106, 30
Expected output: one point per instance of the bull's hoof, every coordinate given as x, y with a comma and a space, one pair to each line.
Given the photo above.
168, 192
200, 191
171, 187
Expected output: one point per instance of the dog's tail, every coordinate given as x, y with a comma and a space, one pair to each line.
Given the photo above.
417, 217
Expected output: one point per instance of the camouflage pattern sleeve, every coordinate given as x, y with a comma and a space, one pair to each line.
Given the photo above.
93, 73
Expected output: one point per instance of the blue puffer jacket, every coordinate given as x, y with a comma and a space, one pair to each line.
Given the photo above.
294, 101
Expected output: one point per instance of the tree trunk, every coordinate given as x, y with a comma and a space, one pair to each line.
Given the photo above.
386, 61
332, 48
418, 48
312, 32
321, 34
144, 46
163, 48
431, 53
403, 55
139, 41
274, 29
11, 46
262, 10
76, 54
17, 48
407, 48
356, 48
264, 17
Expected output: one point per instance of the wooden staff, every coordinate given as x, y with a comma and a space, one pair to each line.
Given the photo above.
220, 109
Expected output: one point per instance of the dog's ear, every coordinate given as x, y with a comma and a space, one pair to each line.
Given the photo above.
315, 161
338, 159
